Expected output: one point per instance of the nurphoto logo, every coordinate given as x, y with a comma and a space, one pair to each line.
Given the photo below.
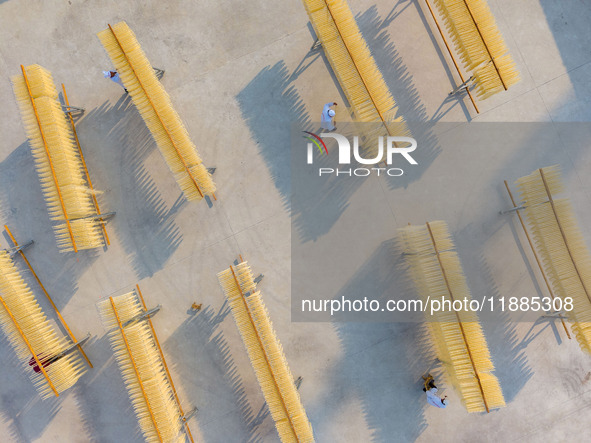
387, 147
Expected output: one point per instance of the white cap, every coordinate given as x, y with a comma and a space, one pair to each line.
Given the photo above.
331, 113
107, 74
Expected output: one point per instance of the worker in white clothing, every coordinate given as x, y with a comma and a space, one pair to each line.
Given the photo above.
432, 398
114, 75
327, 119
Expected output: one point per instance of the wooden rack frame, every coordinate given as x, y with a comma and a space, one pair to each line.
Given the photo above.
59, 192
531, 245
62, 320
176, 397
551, 201
485, 45
318, 43
452, 56
137, 374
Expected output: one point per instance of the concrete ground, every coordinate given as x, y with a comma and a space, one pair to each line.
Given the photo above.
239, 74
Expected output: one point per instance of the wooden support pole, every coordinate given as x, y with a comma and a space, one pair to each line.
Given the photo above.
551, 200
458, 317
451, 55
178, 402
135, 368
62, 320
94, 200
57, 187
485, 45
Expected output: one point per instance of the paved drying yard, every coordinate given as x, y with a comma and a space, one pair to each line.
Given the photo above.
239, 73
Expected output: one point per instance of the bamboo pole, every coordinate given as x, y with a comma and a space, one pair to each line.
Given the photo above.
563, 234
94, 200
265, 355
458, 317
59, 193
451, 55
165, 365
157, 114
485, 45
62, 320
135, 368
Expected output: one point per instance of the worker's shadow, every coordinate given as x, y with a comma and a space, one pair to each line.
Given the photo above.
383, 355
116, 143
211, 381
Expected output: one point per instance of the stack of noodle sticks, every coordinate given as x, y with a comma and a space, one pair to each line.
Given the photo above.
480, 45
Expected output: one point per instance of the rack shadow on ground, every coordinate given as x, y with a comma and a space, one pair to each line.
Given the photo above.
382, 362
211, 381
568, 22
506, 350
400, 83
382, 277
25, 214
273, 109
116, 143
382, 367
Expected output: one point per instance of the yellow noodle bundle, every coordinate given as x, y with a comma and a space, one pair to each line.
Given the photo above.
142, 369
561, 246
155, 107
58, 162
480, 45
27, 327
